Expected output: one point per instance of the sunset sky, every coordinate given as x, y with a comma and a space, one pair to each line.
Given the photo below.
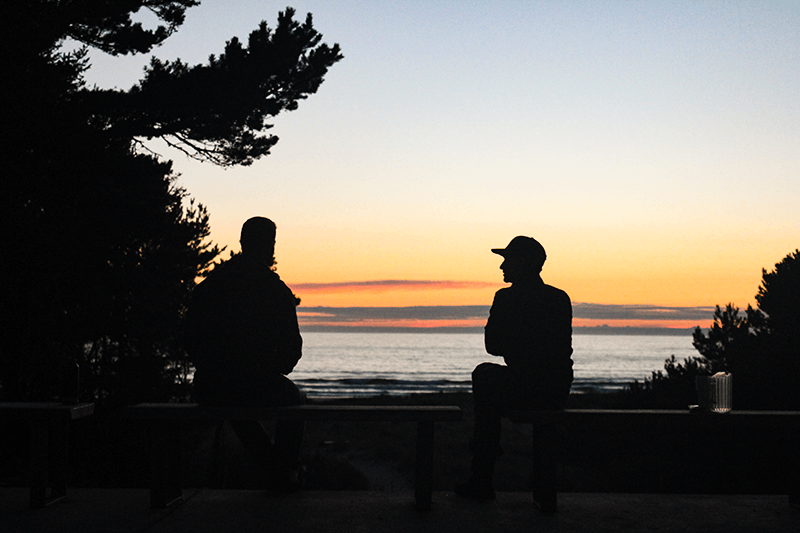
653, 148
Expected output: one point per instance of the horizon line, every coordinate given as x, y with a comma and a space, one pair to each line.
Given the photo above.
587, 314
577, 330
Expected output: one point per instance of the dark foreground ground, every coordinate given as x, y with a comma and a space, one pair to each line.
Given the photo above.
656, 478
626, 458
108, 452
242, 511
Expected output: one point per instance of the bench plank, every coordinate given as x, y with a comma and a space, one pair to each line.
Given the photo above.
749, 417
335, 413
44, 410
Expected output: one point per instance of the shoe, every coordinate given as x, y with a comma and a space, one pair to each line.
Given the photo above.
476, 490
295, 479
289, 481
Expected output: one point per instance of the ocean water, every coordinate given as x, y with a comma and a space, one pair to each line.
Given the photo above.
366, 364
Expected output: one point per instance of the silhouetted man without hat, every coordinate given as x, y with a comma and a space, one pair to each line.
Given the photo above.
530, 326
243, 337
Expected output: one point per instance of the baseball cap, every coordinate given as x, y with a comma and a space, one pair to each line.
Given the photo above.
525, 247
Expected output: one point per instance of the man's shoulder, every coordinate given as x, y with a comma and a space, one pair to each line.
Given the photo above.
555, 292
237, 273
538, 291
506, 293
223, 269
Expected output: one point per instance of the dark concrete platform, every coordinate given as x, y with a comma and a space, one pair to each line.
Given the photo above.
127, 510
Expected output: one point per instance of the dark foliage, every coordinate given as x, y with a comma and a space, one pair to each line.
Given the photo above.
761, 350
102, 248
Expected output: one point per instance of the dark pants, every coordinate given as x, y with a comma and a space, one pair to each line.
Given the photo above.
276, 390
496, 390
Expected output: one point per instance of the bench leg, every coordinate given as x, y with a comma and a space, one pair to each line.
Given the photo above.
794, 468
48, 462
545, 469
59, 457
38, 472
165, 463
217, 474
423, 479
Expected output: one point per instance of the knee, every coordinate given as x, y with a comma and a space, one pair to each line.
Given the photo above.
292, 394
486, 372
489, 382
481, 370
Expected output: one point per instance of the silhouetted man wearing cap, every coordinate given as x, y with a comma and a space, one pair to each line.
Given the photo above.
530, 326
243, 337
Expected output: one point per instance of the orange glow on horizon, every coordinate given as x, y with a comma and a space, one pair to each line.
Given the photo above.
398, 323
639, 323
394, 294
479, 322
389, 285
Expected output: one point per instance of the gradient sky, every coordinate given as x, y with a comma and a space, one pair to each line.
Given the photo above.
653, 148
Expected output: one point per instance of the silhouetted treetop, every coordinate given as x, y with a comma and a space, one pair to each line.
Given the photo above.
761, 349
215, 112
102, 24
779, 296
218, 112
102, 245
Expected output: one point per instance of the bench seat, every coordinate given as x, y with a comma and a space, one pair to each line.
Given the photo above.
545, 445
49, 437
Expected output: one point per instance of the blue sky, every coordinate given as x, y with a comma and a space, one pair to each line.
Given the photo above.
652, 147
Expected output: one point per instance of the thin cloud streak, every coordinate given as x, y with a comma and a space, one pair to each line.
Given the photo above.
387, 284
321, 314
585, 311
641, 312
417, 313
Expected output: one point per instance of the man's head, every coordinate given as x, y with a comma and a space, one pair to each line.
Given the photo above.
524, 257
258, 239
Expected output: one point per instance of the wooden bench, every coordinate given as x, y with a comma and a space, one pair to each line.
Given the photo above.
49, 436
545, 441
165, 435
